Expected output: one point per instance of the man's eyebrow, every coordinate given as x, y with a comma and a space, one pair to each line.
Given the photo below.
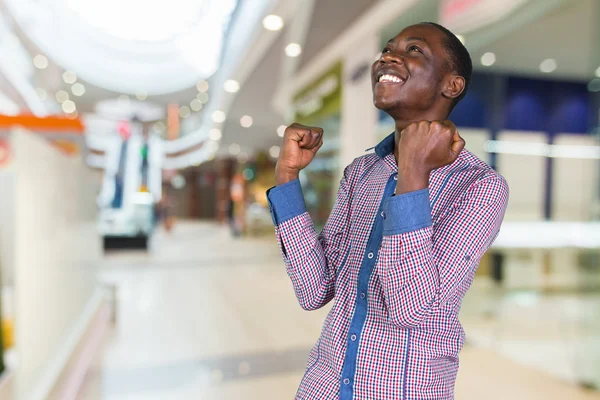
416, 38
410, 39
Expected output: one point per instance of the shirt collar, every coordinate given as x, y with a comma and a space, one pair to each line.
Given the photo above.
386, 146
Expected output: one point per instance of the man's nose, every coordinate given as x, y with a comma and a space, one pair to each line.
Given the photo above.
392, 58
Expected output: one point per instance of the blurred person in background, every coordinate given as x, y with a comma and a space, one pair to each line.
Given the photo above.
405, 236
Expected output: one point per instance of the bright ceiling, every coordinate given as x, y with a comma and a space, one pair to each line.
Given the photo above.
129, 46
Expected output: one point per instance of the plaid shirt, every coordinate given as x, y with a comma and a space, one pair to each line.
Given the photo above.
398, 268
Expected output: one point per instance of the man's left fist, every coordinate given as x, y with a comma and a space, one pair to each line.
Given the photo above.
425, 146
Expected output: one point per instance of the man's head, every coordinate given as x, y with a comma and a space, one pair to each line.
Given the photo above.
423, 72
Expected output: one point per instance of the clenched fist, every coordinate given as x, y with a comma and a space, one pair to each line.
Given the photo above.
300, 144
423, 147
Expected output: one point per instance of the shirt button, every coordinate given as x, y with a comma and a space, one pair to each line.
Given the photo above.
383, 214
370, 255
353, 338
363, 295
346, 381
395, 177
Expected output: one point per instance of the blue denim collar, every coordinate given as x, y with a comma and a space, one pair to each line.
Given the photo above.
386, 146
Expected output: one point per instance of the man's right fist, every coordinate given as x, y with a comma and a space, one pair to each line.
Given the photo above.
300, 144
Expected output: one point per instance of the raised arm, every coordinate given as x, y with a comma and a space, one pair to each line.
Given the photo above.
311, 259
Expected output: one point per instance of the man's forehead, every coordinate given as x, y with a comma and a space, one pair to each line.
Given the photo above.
423, 32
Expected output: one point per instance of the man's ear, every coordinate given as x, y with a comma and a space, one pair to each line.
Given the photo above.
453, 87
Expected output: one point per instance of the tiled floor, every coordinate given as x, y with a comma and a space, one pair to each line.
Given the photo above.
203, 316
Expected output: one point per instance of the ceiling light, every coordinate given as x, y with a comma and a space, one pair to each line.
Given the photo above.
549, 65
219, 116
246, 121
203, 97
231, 86
461, 38
196, 105
141, 95
281, 130
215, 134
598, 72
273, 22
243, 158
274, 151
62, 96
78, 89
234, 149
184, 112
42, 94
202, 86
293, 50
68, 107
488, 59
69, 77
40, 61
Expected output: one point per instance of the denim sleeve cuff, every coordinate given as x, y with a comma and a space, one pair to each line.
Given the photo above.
286, 201
406, 212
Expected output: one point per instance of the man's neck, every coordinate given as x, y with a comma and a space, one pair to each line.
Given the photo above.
401, 124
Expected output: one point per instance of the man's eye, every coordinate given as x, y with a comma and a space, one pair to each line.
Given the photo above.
386, 50
415, 48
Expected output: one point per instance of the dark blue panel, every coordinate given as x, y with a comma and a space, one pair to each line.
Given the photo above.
471, 111
570, 109
527, 105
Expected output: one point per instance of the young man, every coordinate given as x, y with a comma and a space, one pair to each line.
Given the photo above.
407, 231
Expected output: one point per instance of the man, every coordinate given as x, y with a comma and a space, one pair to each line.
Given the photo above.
407, 231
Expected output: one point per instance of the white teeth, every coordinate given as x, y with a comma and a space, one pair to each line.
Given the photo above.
389, 78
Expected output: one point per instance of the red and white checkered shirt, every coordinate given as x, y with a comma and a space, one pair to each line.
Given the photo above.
398, 268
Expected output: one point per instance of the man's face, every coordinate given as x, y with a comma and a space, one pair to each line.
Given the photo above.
408, 74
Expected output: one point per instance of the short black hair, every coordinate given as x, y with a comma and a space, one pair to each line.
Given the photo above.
459, 59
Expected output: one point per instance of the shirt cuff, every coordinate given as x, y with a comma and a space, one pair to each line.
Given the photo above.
286, 201
406, 212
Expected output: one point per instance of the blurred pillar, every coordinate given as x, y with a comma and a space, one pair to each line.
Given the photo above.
358, 115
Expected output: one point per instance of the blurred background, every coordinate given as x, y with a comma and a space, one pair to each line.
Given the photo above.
138, 138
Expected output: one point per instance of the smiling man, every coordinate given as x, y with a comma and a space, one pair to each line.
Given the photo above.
409, 226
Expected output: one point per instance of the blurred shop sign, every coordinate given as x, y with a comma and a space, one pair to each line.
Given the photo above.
320, 99
463, 16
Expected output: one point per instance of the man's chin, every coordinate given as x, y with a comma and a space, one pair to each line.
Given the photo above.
383, 104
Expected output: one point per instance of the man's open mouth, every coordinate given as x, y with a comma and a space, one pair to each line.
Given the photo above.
390, 78
387, 76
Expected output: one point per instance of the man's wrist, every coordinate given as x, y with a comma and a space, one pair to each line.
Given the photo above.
283, 176
411, 181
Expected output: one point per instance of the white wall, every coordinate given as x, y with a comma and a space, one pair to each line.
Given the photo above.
525, 175
574, 182
57, 248
358, 115
476, 140
7, 224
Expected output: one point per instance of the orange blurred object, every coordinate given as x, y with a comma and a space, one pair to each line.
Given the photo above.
51, 124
